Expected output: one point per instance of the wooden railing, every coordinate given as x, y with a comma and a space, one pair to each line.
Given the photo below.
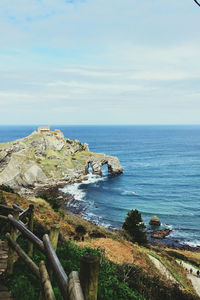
21, 222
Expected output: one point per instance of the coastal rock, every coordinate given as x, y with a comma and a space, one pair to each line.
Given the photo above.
160, 234
155, 221
97, 161
49, 159
34, 174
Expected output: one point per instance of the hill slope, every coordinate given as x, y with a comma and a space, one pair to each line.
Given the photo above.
131, 261
48, 158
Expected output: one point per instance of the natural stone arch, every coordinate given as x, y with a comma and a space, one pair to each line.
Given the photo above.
97, 165
87, 167
109, 167
104, 168
97, 162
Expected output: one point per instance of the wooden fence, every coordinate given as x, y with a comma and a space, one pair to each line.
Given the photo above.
21, 223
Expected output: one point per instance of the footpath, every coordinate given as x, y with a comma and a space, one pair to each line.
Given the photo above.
4, 293
192, 276
163, 270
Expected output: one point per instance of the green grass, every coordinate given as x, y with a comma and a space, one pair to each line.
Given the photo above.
24, 285
180, 260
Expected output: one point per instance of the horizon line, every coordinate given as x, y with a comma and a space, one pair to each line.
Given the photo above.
144, 124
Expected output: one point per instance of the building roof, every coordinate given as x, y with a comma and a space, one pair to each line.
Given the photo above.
44, 128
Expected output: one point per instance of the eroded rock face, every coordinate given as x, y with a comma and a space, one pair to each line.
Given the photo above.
48, 158
97, 161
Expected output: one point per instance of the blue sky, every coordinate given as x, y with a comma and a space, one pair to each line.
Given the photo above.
99, 62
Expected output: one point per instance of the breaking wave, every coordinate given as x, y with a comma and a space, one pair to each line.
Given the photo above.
76, 192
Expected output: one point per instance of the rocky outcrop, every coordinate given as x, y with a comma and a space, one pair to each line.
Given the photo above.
97, 162
48, 158
160, 234
155, 221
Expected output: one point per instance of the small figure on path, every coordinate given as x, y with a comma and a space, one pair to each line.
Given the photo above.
197, 273
191, 271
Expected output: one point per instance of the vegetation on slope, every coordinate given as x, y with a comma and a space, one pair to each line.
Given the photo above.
126, 272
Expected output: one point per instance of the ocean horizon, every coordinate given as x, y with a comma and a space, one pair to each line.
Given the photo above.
161, 175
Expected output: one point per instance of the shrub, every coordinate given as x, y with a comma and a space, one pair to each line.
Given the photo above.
51, 200
80, 230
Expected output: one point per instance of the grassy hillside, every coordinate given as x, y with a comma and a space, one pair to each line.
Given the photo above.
126, 271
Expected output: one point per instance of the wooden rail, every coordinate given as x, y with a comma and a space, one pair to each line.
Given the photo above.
6, 207
34, 268
61, 277
27, 233
72, 289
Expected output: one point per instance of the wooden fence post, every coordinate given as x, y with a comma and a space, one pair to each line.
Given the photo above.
53, 236
30, 227
89, 271
74, 288
46, 283
11, 252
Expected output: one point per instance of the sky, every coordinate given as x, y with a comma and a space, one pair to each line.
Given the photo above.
99, 62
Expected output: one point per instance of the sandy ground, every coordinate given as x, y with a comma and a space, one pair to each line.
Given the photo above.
193, 277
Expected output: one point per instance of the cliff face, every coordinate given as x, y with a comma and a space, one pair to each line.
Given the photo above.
48, 158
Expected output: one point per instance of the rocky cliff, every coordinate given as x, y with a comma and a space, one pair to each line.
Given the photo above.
48, 158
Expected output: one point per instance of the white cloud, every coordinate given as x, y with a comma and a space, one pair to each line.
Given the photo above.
96, 59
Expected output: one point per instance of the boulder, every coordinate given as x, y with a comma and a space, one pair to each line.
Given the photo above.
34, 174
155, 221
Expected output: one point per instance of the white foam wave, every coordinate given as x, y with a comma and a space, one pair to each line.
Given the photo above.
169, 226
74, 189
93, 178
124, 193
195, 243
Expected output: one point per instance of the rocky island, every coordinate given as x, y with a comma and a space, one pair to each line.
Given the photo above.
46, 158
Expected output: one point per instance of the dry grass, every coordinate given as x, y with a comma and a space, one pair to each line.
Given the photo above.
122, 252
47, 216
192, 256
114, 246
76, 220
43, 213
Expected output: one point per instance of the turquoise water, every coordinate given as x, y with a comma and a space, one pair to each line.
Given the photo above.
161, 175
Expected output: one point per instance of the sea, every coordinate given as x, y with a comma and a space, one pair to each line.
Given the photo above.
161, 176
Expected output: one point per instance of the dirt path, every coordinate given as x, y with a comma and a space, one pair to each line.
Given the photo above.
194, 279
4, 293
163, 270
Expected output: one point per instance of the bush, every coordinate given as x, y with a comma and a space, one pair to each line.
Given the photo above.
51, 200
80, 230
110, 286
135, 226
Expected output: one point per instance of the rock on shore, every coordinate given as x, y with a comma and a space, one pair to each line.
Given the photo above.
49, 159
155, 221
160, 234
